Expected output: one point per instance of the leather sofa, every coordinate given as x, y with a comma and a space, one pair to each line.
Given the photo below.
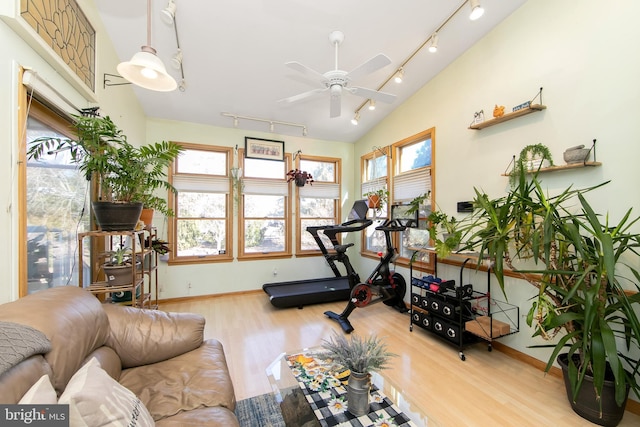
182, 379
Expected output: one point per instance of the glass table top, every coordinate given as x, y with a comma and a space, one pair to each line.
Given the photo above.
296, 410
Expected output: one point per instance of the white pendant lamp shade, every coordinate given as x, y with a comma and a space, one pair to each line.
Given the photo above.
147, 70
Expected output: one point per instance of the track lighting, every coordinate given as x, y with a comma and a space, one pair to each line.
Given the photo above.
145, 69
476, 10
355, 119
433, 47
372, 104
168, 14
399, 75
236, 120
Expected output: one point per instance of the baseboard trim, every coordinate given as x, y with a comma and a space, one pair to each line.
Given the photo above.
208, 296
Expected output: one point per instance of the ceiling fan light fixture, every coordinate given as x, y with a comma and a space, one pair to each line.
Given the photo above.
399, 75
372, 104
168, 14
146, 70
433, 47
355, 119
476, 10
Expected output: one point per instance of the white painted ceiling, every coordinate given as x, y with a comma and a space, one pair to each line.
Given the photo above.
235, 53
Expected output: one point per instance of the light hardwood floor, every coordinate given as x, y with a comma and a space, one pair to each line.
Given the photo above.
488, 389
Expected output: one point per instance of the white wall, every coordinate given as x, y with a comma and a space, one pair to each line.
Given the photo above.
584, 57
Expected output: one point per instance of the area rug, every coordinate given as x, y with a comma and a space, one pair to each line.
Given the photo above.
259, 411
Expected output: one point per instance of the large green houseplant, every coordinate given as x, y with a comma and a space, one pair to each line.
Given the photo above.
583, 268
125, 174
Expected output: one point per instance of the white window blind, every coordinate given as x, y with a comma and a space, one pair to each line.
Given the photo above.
411, 184
321, 190
204, 183
373, 185
265, 187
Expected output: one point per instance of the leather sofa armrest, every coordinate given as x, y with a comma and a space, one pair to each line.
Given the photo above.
142, 337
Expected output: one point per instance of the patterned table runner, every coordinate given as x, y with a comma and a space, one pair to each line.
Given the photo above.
324, 385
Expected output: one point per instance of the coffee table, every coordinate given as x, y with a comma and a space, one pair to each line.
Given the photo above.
297, 410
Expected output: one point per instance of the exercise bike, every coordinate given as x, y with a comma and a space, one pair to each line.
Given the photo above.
383, 285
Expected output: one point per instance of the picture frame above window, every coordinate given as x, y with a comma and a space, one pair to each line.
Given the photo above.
267, 149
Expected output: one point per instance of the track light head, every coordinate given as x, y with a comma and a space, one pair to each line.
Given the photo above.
355, 119
168, 14
476, 10
372, 104
433, 47
399, 75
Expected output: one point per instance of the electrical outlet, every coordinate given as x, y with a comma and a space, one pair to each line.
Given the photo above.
275, 272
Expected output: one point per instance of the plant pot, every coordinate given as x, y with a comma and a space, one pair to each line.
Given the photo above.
300, 180
116, 216
358, 389
373, 201
119, 275
146, 216
586, 405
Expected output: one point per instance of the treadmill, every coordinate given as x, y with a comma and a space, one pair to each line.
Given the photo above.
299, 293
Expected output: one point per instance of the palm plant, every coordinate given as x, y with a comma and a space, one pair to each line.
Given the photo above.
588, 293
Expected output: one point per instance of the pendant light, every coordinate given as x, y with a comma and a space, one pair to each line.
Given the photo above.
145, 69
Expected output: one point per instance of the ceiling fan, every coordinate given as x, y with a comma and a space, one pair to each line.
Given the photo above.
336, 81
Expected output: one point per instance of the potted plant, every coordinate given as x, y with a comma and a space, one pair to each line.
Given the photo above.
299, 177
449, 239
126, 175
361, 356
377, 198
531, 158
588, 294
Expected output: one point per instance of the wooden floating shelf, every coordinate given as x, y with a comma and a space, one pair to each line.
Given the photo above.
563, 167
508, 116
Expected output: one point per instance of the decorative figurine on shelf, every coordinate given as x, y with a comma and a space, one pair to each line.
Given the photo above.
498, 111
478, 117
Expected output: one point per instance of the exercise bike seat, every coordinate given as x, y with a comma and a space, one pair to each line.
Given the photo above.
342, 248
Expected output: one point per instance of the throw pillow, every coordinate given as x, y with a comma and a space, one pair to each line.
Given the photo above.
41, 393
97, 400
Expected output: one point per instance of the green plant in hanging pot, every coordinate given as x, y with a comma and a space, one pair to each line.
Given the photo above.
443, 231
588, 293
532, 158
376, 199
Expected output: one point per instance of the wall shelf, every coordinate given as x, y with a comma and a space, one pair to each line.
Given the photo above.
508, 116
563, 167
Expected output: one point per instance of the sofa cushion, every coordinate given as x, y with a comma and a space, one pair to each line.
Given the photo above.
97, 400
71, 318
141, 337
41, 393
16, 381
196, 379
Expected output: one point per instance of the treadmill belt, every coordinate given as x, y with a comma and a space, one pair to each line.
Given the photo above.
306, 292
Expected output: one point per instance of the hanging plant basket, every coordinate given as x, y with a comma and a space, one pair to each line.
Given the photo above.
299, 177
373, 201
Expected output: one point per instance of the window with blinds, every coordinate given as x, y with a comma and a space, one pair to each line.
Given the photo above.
201, 226
264, 227
374, 177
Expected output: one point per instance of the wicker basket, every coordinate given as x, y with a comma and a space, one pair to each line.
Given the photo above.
576, 155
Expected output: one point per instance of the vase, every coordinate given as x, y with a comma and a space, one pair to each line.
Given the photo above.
300, 180
586, 404
358, 389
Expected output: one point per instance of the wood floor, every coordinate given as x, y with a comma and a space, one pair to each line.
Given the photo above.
488, 389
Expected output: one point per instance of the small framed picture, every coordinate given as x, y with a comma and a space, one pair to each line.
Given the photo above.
267, 149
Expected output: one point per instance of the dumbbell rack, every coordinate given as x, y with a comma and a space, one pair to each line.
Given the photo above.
443, 308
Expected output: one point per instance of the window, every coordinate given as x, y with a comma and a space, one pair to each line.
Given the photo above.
57, 204
374, 168
200, 230
318, 203
413, 167
265, 211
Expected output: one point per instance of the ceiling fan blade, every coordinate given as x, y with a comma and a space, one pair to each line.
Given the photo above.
372, 94
373, 64
301, 96
306, 71
335, 105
